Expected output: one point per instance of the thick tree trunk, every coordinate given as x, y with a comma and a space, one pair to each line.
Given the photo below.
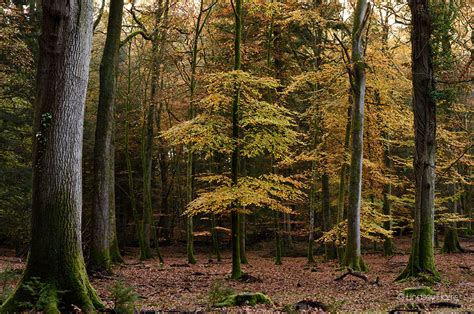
421, 262
235, 217
55, 256
353, 257
103, 223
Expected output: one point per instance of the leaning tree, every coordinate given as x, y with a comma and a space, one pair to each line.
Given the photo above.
55, 258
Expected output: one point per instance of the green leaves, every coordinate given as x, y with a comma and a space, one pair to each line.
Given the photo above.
267, 128
267, 191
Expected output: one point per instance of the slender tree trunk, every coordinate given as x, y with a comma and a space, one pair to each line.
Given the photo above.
215, 238
162, 21
133, 202
235, 217
388, 246
200, 22
55, 257
104, 238
243, 256
341, 196
421, 262
330, 248
312, 210
353, 257
278, 251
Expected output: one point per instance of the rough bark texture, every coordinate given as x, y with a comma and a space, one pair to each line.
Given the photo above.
235, 217
55, 256
352, 257
104, 238
421, 262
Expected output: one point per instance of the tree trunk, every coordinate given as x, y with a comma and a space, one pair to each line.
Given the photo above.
330, 248
55, 256
235, 217
341, 196
388, 246
451, 238
103, 223
131, 188
353, 257
278, 252
421, 262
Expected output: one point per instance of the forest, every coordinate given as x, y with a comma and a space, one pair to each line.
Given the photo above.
240, 156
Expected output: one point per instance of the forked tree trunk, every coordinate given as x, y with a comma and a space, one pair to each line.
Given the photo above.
353, 257
421, 262
55, 256
104, 244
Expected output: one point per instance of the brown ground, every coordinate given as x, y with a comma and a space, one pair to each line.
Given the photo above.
176, 287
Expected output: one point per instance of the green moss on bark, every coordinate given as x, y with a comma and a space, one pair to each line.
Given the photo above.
451, 241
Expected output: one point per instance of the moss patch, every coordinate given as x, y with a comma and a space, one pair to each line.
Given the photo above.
418, 291
246, 298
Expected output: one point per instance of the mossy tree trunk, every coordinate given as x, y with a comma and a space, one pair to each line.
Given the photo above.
353, 257
55, 255
235, 216
451, 238
421, 262
104, 239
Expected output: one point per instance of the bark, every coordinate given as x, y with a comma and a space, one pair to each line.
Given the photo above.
353, 257
104, 244
55, 256
235, 217
421, 262
312, 210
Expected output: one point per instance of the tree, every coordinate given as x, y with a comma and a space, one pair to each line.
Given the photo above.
201, 20
353, 257
104, 244
55, 257
234, 216
421, 262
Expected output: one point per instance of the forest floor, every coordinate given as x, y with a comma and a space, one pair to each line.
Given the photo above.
177, 286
